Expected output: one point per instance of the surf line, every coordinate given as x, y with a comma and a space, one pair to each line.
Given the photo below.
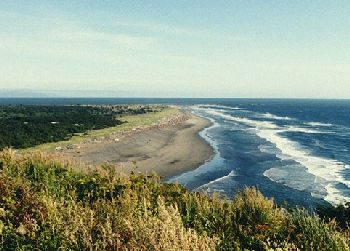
186, 177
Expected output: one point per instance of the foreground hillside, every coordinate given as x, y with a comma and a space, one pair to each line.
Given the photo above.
46, 205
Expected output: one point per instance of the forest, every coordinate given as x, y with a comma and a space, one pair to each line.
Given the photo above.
26, 126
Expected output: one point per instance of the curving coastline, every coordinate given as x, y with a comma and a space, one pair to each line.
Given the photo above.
167, 150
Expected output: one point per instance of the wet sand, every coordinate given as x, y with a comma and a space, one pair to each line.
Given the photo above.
168, 151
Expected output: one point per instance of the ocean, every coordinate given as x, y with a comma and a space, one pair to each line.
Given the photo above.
296, 151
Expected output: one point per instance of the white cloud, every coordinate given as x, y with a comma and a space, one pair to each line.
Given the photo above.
73, 34
159, 28
132, 41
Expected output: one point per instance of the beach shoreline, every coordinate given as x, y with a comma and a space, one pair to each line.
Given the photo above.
173, 148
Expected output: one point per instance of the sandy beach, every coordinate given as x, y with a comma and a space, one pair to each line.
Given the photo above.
167, 150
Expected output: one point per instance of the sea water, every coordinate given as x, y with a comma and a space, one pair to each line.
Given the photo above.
296, 151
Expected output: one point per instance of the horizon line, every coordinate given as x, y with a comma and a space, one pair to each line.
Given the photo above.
91, 97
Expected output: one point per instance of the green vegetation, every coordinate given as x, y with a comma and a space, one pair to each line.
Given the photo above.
154, 114
28, 126
46, 205
341, 213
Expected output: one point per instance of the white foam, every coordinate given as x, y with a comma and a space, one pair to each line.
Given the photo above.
319, 124
266, 149
222, 107
272, 116
185, 178
302, 129
273, 172
332, 197
254, 123
204, 134
328, 169
231, 174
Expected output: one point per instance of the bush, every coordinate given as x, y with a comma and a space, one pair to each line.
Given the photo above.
46, 205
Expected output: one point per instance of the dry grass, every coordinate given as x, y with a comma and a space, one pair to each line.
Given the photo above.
131, 121
46, 205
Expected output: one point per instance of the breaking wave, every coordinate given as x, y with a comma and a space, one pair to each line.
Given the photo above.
329, 170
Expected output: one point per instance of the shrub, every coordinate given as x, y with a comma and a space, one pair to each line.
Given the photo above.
47, 205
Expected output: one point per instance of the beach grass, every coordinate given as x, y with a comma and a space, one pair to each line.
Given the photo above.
129, 122
48, 205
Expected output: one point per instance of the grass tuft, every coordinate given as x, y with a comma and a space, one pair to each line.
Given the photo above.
47, 205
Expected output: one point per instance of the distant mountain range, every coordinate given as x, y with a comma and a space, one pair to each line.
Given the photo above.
8, 93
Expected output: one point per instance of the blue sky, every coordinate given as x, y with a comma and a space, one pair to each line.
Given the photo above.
177, 48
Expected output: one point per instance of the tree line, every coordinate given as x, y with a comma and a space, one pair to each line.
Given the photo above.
27, 126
